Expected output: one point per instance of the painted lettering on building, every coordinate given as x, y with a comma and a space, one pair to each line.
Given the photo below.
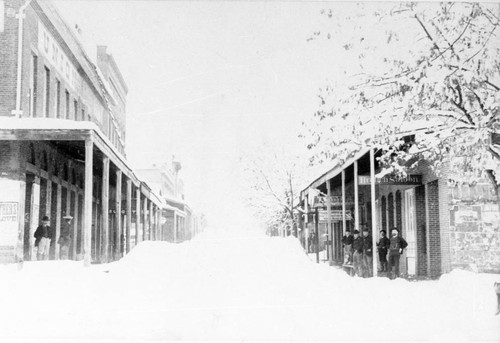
336, 215
336, 200
364, 180
55, 55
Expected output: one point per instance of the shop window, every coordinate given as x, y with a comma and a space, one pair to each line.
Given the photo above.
31, 154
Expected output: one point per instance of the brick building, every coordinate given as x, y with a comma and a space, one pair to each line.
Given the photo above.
446, 225
62, 142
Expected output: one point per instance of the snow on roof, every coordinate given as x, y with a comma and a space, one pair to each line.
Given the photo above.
423, 123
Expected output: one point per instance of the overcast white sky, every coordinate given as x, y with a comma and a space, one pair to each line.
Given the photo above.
210, 81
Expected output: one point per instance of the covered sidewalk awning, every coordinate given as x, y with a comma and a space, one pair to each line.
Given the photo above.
85, 143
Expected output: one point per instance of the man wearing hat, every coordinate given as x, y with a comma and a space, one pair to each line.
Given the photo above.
357, 247
43, 236
396, 247
65, 237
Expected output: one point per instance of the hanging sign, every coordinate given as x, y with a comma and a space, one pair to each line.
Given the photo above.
335, 216
364, 180
336, 200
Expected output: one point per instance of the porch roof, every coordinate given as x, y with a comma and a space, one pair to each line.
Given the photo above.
424, 124
52, 129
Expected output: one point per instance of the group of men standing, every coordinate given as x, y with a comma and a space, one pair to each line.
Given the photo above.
358, 252
44, 236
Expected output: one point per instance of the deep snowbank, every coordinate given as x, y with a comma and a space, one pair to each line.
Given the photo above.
231, 288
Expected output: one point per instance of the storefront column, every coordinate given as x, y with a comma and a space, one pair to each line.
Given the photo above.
151, 227
137, 215
374, 209
175, 227
306, 223
329, 230
58, 219
105, 208
344, 224
75, 222
87, 218
129, 216
356, 197
144, 218
118, 207
34, 215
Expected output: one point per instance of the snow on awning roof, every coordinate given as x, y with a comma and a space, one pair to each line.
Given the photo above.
423, 124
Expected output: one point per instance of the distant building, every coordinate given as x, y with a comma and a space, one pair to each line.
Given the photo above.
179, 221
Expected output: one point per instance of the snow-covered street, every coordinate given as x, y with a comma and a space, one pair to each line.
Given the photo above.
220, 287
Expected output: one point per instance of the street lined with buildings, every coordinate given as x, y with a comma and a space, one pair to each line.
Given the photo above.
62, 148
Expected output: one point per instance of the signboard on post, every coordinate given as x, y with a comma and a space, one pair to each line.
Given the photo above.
335, 216
335, 200
364, 180
9, 220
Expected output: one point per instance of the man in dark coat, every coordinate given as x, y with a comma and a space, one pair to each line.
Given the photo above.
357, 247
347, 240
382, 247
396, 247
367, 253
65, 237
43, 236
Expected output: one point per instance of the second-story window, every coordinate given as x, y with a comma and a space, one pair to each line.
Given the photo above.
46, 93
34, 82
83, 114
67, 105
58, 99
75, 104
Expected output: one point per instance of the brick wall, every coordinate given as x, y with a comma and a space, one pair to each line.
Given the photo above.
421, 217
433, 228
8, 59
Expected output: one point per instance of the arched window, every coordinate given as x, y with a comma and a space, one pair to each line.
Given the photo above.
31, 154
43, 163
383, 213
65, 172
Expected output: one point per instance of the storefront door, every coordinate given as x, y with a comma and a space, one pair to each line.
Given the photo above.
410, 231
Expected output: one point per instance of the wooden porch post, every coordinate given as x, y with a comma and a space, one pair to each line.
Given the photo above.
75, 222
329, 220
137, 214
344, 224
87, 218
175, 226
151, 227
144, 217
374, 209
356, 197
58, 218
105, 207
118, 207
129, 215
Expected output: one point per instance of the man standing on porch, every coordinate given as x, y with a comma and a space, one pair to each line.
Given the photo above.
43, 236
65, 237
397, 245
357, 247
367, 253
